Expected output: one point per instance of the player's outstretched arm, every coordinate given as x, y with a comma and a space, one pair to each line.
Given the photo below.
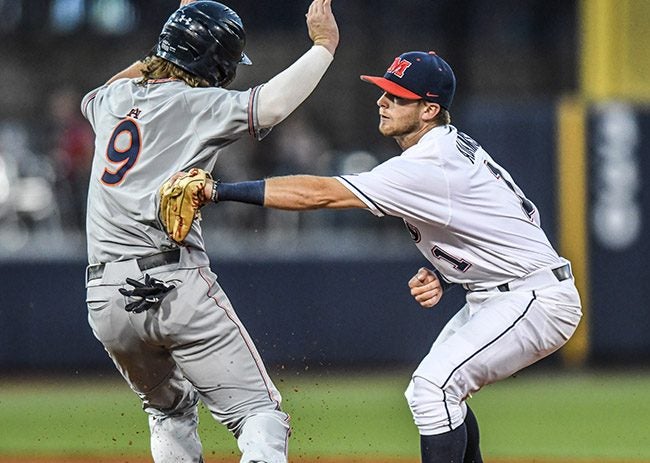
184, 194
135, 70
426, 288
281, 95
291, 193
305, 192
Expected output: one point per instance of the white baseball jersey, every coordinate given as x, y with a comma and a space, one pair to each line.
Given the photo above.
471, 221
441, 187
145, 134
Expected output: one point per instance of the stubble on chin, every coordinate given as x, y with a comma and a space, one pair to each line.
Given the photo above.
385, 129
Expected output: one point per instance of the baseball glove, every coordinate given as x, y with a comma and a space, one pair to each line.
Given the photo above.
181, 198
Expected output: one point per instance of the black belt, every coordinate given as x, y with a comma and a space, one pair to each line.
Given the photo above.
561, 273
144, 263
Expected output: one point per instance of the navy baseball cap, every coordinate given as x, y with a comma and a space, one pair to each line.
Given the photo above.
418, 75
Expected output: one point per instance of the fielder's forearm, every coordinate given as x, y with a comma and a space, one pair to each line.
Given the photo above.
299, 192
292, 193
281, 95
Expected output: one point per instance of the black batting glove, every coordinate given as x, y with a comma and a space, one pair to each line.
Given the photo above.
145, 296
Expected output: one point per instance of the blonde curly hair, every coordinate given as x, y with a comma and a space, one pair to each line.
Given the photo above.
155, 67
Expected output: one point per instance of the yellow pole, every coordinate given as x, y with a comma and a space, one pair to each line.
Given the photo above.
572, 213
598, 73
614, 58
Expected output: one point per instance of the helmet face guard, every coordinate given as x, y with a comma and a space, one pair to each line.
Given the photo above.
206, 39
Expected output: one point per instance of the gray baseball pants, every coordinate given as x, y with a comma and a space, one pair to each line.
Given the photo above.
193, 347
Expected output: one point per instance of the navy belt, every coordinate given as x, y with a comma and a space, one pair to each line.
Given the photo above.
537, 279
144, 263
561, 273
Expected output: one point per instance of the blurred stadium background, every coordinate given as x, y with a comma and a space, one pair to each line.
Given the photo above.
556, 90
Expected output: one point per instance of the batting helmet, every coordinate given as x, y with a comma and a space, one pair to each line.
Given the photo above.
206, 39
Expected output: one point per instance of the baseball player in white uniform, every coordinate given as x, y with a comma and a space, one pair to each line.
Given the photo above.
156, 306
477, 229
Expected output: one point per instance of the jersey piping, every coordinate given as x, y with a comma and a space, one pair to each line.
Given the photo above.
460, 365
361, 193
252, 103
519, 318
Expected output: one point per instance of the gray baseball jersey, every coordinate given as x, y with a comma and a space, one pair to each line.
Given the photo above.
193, 346
145, 134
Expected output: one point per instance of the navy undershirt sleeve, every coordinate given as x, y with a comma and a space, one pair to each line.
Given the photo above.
251, 192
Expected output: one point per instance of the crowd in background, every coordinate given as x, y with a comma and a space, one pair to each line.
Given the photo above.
54, 51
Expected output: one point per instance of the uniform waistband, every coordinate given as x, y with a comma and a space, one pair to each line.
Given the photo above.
537, 279
96, 271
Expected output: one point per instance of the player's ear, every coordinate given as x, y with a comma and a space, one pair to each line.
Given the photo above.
430, 111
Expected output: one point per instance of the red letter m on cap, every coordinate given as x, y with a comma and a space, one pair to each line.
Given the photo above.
398, 67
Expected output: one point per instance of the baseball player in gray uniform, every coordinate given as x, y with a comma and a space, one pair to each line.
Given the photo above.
156, 306
475, 226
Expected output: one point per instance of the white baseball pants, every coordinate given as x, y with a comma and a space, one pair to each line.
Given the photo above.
493, 336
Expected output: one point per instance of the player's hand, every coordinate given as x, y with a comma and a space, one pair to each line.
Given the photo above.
322, 26
186, 2
207, 191
426, 288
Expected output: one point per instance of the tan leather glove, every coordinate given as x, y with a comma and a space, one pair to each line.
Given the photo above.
181, 198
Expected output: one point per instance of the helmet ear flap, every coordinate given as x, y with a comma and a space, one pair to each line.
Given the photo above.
206, 39
226, 72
